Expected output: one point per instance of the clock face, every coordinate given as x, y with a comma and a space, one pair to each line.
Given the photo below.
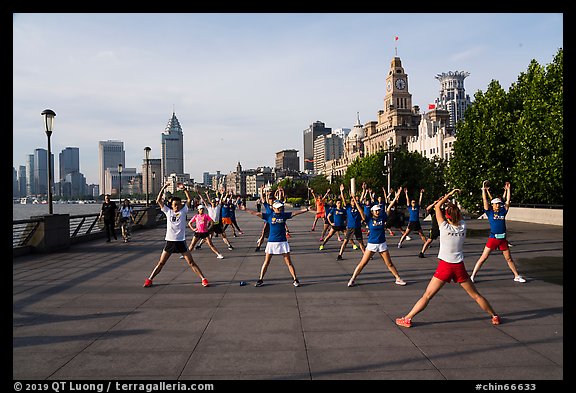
400, 84
389, 86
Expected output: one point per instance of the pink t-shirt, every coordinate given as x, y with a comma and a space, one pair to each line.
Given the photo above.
202, 221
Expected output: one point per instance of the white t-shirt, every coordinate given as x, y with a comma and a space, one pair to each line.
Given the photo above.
175, 223
452, 242
214, 212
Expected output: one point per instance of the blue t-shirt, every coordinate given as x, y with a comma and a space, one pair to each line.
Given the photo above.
497, 220
226, 211
267, 208
277, 223
338, 217
232, 208
353, 217
377, 226
414, 213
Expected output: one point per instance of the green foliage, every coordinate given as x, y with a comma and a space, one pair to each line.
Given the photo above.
516, 137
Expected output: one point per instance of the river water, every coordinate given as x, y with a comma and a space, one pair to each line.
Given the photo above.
24, 212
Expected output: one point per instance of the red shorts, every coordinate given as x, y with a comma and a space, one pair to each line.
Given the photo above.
321, 214
226, 221
497, 244
451, 271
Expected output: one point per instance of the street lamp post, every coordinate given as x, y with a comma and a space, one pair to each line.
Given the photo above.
120, 183
49, 123
154, 182
147, 151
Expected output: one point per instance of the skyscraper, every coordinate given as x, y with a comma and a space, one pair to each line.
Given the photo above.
453, 97
110, 154
310, 134
172, 148
69, 161
41, 170
30, 185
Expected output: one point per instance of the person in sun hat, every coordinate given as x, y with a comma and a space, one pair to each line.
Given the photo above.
450, 262
277, 241
496, 212
376, 220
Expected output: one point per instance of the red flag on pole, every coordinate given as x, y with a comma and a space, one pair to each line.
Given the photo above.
396, 38
431, 106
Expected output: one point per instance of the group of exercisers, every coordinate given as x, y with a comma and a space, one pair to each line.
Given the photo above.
347, 217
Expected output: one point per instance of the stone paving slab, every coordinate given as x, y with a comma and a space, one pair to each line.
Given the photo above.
83, 314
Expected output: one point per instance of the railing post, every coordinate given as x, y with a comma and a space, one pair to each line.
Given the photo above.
53, 233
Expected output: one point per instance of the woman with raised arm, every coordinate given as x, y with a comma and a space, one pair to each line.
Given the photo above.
414, 220
277, 242
451, 262
175, 234
496, 213
376, 220
353, 223
320, 210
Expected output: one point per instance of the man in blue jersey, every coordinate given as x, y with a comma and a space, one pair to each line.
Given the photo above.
277, 242
376, 220
414, 220
496, 213
353, 222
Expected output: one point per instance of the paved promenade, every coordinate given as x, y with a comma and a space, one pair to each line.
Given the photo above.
83, 313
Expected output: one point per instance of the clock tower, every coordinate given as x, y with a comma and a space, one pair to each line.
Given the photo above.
399, 119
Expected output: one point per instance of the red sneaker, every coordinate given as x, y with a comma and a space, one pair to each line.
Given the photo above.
205, 282
147, 283
404, 322
496, 320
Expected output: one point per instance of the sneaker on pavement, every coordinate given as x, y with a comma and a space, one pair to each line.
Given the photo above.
351, 283
519, 279
321, 239
354, 247
288, 235
181, 257
472, 278
205, 282
408, 238
321, 247
421, 255
147, 283
399, 245
296, 283
198, 247
339, 257
496, 320
257, 249
220, 256
404, 322
259, 283
400, 282
230, 247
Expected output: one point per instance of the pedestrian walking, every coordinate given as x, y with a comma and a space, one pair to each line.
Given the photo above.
108, 212
126, 218
175, 234
451, 262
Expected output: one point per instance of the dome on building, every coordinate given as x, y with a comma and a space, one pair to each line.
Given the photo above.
357, 133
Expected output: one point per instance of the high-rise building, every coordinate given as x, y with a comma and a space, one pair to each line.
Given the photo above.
310, 134
453, 97
172, 148
288, 159
41, 171
69, 160
30, 184
110, 154
22, 181
326, 148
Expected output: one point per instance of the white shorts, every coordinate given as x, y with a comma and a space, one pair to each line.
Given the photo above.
277, 248
377, 247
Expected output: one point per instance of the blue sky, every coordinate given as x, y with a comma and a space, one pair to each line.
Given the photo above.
244, 85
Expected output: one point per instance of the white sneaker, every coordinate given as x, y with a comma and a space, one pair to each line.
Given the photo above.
351, 283
400, 282
472, 278
220, 256
408, 238
399, 245
519, 279
181, 256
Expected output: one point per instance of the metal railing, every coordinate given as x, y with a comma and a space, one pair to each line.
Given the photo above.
82, 227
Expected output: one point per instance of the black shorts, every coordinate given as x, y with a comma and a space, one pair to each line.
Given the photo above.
266, 230
337, 228
414, 226
357, 232
216, 228
395, 222
326, 222
433, 234
201, 235
172, 247
123, 219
